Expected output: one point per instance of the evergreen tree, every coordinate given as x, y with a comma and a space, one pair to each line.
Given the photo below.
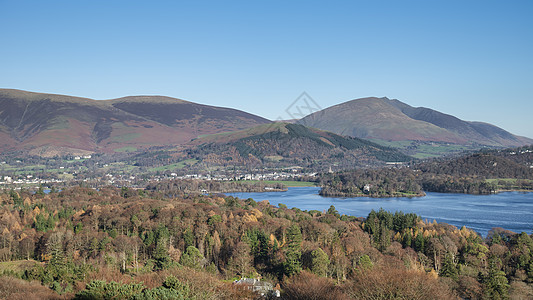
420, 243
384, 238
188, 238
407, 239
293, 253
449, 269
160, 255
192, 258
496, 285
319, 262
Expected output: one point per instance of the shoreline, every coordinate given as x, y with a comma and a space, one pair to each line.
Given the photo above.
422, 194
345, 195
518, 190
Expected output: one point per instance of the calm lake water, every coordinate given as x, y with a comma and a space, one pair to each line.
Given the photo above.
509, 210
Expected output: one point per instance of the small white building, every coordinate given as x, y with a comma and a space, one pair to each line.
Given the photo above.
265, 289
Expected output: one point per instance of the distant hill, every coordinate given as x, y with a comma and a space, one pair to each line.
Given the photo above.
48, 124
479, 173
416, 130
478, 165
483, 172
285, 144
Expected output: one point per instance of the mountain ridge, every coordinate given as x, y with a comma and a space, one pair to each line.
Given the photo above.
31, 120
50, 124
386, 120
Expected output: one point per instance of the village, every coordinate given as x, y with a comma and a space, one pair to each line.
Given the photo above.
120, 179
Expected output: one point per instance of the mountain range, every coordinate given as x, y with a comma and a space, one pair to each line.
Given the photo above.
48, 124
395, 123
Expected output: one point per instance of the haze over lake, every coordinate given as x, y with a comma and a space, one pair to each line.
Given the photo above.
510, 210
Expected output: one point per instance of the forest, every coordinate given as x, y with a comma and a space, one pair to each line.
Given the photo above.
385, 182
291, 144
112, 243
479, 173
178, 187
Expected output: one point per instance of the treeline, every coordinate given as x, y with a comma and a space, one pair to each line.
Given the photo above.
479, 173
481, 166
101, 244
521, 155
473, 174
450, 184
181, 187
386, 182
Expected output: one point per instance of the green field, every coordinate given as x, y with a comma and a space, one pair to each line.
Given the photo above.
24, 170
511, 184
275, 158
507, 180
75, 160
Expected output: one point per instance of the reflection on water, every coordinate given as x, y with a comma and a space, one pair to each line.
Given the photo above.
510, 210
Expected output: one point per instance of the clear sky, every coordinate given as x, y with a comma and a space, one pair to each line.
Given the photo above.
471, 59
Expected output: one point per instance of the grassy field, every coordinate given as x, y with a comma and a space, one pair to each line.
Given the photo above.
75, 160
288, 183
426, 151
510, 184
506, 180
24, 170
275, 158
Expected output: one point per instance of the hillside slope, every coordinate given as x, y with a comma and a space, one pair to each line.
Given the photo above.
384, 120
284, 144
50, 124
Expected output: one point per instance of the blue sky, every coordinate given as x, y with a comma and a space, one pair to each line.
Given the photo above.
471, 59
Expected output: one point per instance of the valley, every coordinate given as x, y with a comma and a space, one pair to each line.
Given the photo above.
261, 150
150, 196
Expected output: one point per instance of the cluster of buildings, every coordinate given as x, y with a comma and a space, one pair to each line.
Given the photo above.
521, 152
282, 175
26, 180
120, 177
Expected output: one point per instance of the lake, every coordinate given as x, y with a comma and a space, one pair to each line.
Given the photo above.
509, 210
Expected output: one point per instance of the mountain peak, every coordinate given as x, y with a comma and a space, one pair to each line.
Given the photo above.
288, 144
385, 120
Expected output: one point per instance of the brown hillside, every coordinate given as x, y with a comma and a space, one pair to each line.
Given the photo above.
32, 121
391, 120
